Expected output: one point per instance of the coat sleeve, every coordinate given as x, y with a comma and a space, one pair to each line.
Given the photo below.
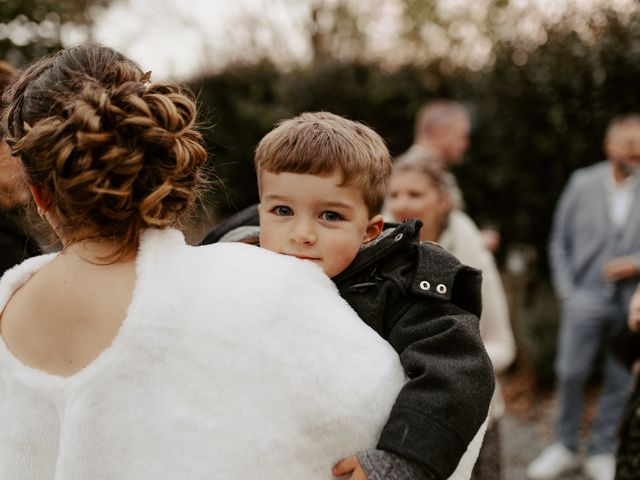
561, 241
445, 403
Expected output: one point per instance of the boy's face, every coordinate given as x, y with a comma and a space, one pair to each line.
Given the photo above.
314, 218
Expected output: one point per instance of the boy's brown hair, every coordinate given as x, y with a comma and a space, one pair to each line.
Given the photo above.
321, 143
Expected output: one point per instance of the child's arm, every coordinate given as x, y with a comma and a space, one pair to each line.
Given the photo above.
381, 465
435, 330
349, 466
377, 464
374, 464
447, 398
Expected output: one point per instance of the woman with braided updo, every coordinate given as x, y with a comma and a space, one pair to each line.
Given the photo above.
131, 355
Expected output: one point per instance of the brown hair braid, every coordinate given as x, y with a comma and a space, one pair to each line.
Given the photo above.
117, 154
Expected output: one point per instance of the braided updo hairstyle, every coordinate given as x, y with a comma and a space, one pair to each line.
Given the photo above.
117, 153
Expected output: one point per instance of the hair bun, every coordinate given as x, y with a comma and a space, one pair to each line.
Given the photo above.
118, 154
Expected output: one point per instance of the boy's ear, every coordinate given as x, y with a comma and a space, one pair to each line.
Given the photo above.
374, 228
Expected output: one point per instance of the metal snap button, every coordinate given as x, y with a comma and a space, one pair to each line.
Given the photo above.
398, 237
424, 285
441, 289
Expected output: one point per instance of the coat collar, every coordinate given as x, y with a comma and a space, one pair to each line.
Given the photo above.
435, 269
394, 237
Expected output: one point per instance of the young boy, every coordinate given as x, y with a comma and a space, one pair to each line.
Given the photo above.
322, 181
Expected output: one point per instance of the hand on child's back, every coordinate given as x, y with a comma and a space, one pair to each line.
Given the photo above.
349, 465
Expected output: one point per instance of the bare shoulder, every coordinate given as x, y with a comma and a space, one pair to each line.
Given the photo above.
21, 301
67, 313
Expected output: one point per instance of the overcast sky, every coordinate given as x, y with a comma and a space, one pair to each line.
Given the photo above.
178, 38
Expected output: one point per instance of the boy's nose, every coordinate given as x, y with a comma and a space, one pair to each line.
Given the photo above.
302, 233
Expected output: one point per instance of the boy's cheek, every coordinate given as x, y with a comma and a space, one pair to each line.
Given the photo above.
268, 238
264, 233
339, 262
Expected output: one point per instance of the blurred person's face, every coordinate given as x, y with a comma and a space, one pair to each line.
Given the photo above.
415, 195
314, 218
454, 140
623, 150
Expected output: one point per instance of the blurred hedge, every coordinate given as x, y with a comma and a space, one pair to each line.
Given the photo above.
534, 122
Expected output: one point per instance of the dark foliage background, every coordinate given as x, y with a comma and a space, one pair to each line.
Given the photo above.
32, 28
537, 116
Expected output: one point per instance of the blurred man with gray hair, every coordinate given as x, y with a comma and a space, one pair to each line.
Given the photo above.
441, 137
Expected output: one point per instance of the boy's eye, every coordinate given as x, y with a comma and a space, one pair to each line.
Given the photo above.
282, 211
331, 216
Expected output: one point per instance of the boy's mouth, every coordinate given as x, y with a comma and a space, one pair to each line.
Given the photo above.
302, 257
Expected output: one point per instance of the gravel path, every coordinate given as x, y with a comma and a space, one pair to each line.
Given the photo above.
522, 441
527, 428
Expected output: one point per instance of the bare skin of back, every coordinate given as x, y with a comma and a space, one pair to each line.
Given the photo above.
70, 311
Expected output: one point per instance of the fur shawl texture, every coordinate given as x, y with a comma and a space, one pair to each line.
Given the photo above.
232, 362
